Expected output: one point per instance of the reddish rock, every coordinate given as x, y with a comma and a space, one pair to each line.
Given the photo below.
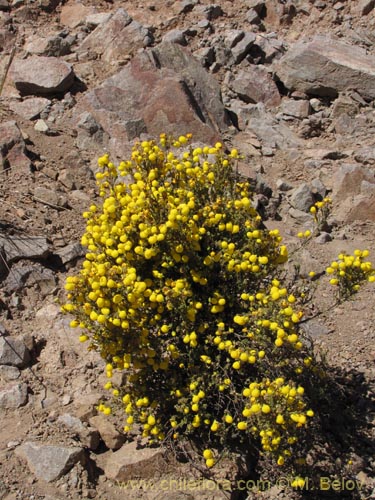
30, 108
116, 38
7, 39
13, 148
161, 90
348, 180
254, 85
41, 75
131, 462
360, 207
112, 438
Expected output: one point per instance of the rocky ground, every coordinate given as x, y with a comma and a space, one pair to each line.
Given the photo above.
291, 84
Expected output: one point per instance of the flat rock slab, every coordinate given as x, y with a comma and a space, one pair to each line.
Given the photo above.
29, 275
161, 90
30, 108
13, 352
49, 462
18, 247
39, 75
130, 462
74, 13
325, 67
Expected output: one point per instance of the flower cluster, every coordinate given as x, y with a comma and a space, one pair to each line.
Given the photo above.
179, 289
348, 272
321, 210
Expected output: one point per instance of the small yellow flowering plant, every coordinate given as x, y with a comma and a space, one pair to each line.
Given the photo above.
180, 290
348, 272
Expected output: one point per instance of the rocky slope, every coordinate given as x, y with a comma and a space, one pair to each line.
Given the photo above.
289, 83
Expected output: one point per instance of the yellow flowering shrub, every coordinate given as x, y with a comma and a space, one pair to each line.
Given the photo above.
181, 290
349, 271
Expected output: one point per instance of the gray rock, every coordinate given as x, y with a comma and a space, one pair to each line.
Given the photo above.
325, 67
257, 5
252, 17
13, 352
55, 46
8, 373
206, 55
302, 198
210, 12
130, 462
175, 36
223, 56
303, 218
67, 179
272, 134
283, 185
323, 238
19, 246
70, 252
50, 197
39, 75
120, 35
28, 276
241, 49
255, 85
204, 25
270, 47
318, 188
315, 329
49, 462
232, 37
112, 438
186, 6
13, 396
89, 132
295, 108
88, 436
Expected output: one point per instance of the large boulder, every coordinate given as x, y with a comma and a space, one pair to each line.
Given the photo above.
325, 67
40, 75
161, 90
